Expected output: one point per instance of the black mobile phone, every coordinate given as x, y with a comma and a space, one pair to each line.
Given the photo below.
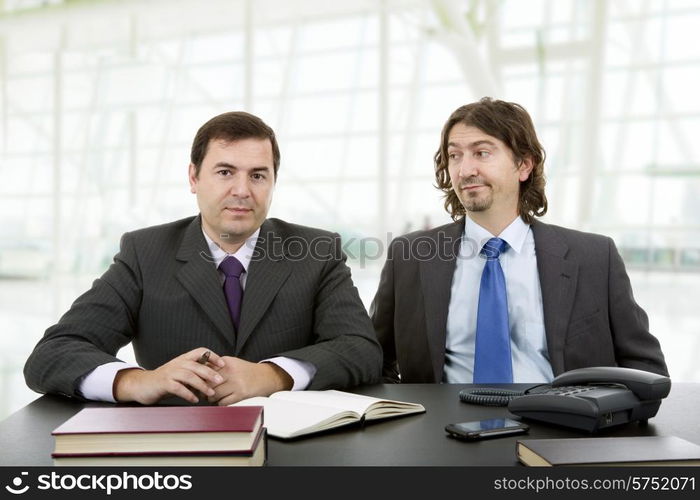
482, 429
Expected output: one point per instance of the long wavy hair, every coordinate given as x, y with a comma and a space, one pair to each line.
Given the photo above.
510, 123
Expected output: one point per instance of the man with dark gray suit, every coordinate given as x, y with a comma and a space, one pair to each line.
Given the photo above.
497, 296
225, 305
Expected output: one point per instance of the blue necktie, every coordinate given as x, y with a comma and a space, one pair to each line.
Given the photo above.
492, 358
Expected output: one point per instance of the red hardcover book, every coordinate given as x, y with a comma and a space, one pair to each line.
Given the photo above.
159, 429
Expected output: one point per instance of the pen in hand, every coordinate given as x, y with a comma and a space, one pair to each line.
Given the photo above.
204, 358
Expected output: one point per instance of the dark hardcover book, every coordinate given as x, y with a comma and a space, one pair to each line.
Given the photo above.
159, 429
632, 451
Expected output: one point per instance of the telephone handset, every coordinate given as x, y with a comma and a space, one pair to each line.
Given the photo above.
587, 398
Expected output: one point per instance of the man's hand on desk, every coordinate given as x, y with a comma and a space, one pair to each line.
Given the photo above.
243, 379
183, 377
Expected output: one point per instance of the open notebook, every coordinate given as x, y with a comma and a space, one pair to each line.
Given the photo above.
291, 414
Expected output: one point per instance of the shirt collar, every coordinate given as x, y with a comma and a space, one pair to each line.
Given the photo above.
244, 254
515, 234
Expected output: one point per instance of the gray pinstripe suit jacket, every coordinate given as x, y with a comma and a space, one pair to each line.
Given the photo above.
590, 315
163, 294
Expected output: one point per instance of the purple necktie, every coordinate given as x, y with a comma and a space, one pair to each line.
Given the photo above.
232, 268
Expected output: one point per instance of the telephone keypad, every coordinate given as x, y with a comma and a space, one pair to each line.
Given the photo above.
567, 390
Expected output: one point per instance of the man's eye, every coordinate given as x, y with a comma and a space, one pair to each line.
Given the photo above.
258, 177
223, 173
452, 156
482, 154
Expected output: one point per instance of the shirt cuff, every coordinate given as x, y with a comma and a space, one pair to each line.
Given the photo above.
302, 372
99, 383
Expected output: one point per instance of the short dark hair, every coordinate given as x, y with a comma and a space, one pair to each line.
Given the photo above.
232, 126
510, 123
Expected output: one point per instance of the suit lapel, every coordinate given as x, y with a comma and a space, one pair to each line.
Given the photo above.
199, 277
436, 282
268, 271
558, 278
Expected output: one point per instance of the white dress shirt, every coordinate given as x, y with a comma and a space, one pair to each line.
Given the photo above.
525, 315
98, 384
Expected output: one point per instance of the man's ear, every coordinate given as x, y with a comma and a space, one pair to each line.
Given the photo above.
192, 175
525, 168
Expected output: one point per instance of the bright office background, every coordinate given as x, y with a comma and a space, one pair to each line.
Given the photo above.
100, 101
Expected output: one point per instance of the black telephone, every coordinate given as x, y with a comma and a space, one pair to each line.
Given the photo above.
587, 398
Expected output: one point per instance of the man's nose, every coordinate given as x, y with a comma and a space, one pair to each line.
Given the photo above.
468, 168
240, 188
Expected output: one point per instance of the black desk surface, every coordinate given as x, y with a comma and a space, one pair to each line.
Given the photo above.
25, 436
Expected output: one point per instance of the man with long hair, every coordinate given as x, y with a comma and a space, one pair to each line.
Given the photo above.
498, 296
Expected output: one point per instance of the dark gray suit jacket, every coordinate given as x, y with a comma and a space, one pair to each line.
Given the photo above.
590, 316
164, 294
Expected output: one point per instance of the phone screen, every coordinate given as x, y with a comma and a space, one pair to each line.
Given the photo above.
486, 428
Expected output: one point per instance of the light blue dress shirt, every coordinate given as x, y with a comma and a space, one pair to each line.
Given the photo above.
525, 316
